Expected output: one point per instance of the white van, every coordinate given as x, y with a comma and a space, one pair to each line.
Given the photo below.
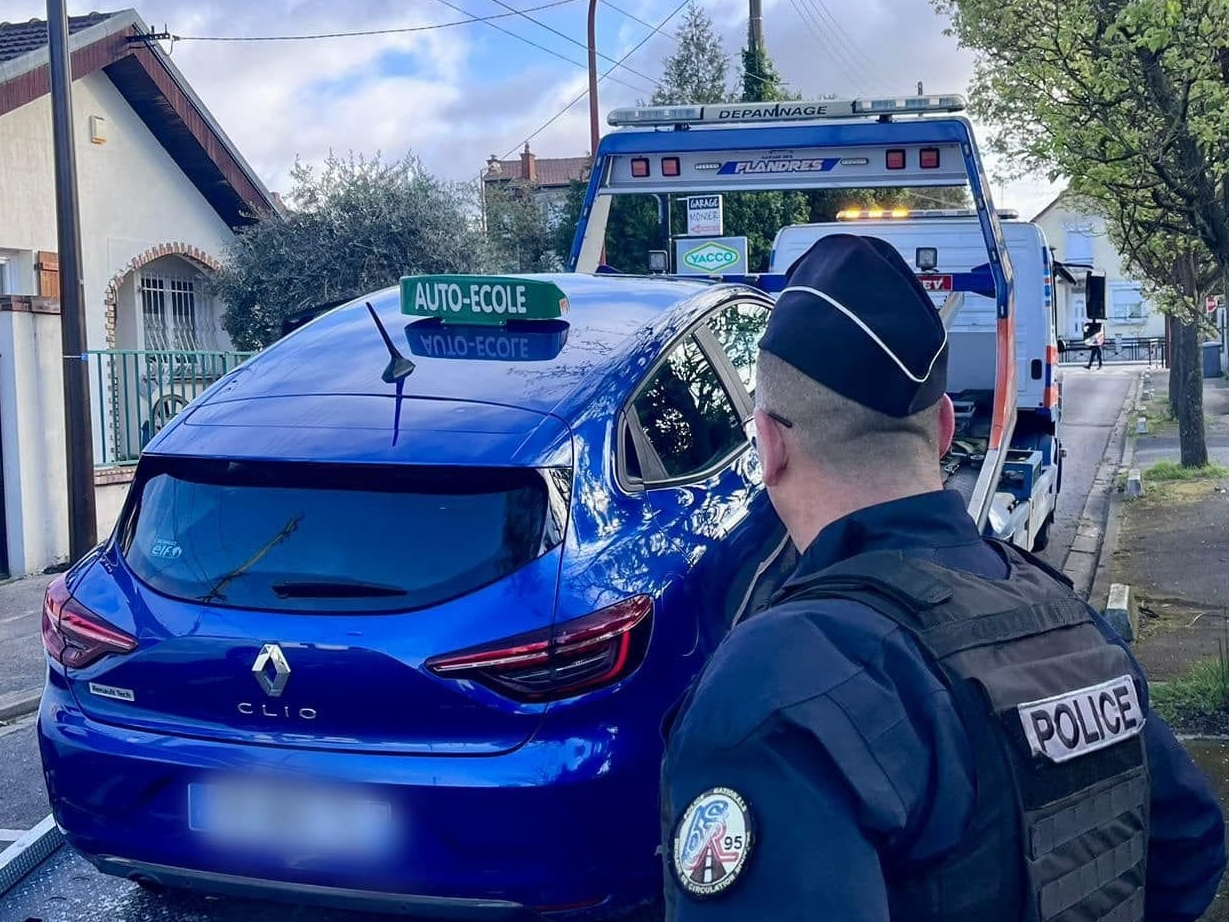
948, 242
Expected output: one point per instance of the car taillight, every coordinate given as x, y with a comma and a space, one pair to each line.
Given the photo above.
74, 635
553, 663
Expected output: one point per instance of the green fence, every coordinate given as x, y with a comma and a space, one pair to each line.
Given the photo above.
139, 391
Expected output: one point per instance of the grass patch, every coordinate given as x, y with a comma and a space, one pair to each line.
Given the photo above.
1172, 470
1197, 700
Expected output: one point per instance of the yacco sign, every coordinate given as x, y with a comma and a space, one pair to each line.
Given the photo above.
712, 256
481, 299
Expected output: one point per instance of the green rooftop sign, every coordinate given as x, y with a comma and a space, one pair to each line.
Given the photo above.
481, 299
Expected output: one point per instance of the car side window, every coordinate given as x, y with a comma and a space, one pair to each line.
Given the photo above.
687, 415
739, 328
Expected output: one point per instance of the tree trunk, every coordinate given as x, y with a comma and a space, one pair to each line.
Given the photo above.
1186, 385
1175, 346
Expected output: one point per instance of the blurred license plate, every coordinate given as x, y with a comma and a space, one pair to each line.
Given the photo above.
290, 819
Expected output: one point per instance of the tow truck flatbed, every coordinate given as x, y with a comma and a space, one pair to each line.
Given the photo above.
907, 142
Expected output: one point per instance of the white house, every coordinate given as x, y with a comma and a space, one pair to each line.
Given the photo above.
1080, 242
162, 191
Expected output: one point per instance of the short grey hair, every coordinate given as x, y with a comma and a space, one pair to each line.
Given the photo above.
839, 434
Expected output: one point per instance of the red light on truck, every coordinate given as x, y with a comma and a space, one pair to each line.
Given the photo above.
928, 158
670, 166
895, 159
640, 167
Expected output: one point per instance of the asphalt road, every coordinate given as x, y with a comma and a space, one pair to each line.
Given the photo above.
1092, 401
66, 889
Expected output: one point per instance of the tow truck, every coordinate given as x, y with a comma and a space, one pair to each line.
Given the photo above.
904, 142
938, 241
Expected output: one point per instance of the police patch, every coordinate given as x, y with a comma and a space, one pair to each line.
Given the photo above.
1082, 721
712, 842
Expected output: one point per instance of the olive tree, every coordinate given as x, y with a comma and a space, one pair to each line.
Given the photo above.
354, 225
1129, 99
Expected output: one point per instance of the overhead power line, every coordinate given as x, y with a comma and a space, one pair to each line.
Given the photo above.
622, 12
834, 52
562, 112
540, 47
366, 32
852, 49
576, 42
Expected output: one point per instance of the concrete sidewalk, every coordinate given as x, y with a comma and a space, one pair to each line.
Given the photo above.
1172, 545
21, 648
1161, 442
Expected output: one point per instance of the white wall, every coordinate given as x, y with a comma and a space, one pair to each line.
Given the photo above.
32, 440
132, 194
133, 197
1055, 223
108, 503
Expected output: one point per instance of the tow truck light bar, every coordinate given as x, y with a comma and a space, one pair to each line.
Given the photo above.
875, 214
741, 113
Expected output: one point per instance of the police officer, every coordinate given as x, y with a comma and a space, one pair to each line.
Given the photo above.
922, 724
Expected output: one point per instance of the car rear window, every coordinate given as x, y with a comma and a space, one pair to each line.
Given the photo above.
281, 536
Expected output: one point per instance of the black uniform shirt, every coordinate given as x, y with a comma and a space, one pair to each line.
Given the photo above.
828, 752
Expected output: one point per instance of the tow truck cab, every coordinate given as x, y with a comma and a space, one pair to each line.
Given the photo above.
938, 243
904, 142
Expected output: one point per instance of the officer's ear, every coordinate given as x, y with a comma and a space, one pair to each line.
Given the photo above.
947, 425
770, 444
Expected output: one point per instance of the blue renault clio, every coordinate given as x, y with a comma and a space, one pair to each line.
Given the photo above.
395, 610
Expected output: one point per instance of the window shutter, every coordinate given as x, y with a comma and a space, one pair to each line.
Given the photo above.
48, 267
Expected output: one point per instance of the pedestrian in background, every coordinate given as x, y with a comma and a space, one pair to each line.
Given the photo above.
1096, 342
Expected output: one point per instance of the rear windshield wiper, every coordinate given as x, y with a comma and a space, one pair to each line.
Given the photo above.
334, 589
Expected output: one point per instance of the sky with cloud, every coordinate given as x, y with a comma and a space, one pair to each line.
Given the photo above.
457, 94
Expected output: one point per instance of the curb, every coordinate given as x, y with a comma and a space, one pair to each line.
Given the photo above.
1098, 518
1113, 520
28, 852
20, 704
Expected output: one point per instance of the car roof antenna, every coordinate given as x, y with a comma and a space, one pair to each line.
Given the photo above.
399, 367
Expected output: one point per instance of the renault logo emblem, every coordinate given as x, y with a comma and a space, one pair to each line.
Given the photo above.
271, 669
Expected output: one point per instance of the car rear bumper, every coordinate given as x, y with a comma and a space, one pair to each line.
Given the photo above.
554, 826
333, 897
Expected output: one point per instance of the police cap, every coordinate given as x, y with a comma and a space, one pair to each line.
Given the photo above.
854, 318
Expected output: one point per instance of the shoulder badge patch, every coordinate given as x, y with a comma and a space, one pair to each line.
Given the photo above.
712, 842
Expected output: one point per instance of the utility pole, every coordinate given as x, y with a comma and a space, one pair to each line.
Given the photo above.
593, 118
78, 430
755, 26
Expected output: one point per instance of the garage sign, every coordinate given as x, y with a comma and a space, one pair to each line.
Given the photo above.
705, 216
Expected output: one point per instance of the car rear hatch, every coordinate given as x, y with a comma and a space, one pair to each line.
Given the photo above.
299, 603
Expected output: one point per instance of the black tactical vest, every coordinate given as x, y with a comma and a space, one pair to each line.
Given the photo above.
1059, 830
